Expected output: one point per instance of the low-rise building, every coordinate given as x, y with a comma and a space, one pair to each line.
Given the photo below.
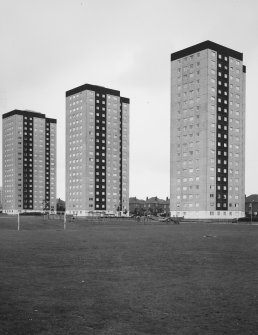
136, 206
156, 205
152, 205
251, 206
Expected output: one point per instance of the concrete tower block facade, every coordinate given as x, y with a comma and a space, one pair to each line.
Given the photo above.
207, 153
97, 151
29, 162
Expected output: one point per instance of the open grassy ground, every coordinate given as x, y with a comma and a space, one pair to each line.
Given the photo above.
128, 278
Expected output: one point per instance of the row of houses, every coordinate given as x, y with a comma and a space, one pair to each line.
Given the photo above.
152, 205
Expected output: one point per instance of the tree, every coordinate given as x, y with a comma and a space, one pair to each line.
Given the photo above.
60, 205
45, 205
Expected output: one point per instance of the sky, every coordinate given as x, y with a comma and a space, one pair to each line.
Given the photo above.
51, 46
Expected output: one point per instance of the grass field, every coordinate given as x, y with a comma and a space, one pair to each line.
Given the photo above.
127, 278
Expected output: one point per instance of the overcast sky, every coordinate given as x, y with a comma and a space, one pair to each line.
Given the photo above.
51, 46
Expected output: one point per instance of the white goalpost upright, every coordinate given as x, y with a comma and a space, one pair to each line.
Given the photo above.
64, 221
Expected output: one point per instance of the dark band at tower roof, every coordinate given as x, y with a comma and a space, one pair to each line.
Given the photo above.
95, 88
207, 45
28, 114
